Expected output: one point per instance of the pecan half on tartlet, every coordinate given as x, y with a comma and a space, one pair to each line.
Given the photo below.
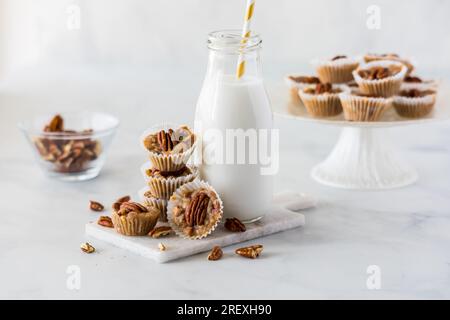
169, 149
337, 69
134, 219
380, 78
362, 107
194, 210
389, 57
296, 82
415, 103
322, 100
163, 184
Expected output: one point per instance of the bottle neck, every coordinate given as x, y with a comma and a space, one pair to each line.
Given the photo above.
225, 51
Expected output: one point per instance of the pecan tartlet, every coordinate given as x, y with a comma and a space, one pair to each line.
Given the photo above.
415, 103
322, 100
296, 82
169, 149
162, 184
390, 57
194, 210
337, 69
134, 219
414, 82
362, 107
380, 78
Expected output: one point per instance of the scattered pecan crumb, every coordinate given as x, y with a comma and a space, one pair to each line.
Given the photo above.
105, 221
160, 232
161, 247
251, 252
87, 248
215, 254
96, 206
234, 225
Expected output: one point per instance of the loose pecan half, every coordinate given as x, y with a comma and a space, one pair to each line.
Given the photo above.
251, 252
96, 206
160, 232
234, 225
105, 221
86, 247
215, 254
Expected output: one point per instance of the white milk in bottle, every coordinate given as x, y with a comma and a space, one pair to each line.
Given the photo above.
234, 122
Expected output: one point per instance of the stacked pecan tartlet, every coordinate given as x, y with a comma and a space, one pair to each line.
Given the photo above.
191, 207
365, 88
169, 151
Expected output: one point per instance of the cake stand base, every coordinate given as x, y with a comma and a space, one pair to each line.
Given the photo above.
364, 159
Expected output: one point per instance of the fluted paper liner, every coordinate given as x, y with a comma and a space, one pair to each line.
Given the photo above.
170, 161
414, 107
163, 188
336, 72
323, 105
161, 204
178, 195
136, 224
386, 87
294, 87
357, 108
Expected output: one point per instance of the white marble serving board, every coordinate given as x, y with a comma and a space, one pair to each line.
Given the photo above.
280, 219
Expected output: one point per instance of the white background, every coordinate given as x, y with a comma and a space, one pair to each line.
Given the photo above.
171, 34
144, 61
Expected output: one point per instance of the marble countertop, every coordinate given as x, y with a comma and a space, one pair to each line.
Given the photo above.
405, 233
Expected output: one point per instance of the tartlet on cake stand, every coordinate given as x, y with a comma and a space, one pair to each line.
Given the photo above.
363, 157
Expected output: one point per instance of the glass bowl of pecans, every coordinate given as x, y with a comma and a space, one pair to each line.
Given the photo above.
71, 146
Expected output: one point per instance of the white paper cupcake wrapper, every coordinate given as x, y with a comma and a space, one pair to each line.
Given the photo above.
336, 72
323, 105
161, 204
414, 107
387, 87
138, 226
191, 186
171, 161
425, 85
163, 188
357, 108
294, 87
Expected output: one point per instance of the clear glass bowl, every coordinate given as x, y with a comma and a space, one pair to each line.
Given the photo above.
79, 152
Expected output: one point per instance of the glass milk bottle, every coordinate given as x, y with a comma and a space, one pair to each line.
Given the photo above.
234, 121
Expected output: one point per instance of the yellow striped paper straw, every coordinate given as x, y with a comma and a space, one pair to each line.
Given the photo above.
245, 35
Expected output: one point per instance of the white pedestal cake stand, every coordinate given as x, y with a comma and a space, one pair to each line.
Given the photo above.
363, 157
